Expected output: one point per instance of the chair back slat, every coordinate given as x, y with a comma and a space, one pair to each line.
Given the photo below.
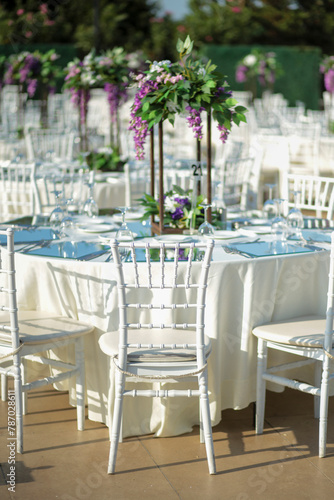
316, 193
152, 294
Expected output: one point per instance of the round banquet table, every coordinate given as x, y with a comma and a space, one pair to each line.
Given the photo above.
242, 293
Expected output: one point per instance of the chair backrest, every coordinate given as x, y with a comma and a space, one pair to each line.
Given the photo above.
237, 181
304, 146
9, 334
49, 144
72, 186
137, 181
18, 190
316, 193
161, 287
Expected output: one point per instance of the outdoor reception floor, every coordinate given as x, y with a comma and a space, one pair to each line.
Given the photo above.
62, 463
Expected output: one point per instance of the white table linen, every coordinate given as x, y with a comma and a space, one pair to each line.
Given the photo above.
242, 293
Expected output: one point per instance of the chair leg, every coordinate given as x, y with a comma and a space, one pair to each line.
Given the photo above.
116, 423
260, 386
317, 383
4, 387
206, 418
80, 383
24, 393
201, 431
18, 404
323, 408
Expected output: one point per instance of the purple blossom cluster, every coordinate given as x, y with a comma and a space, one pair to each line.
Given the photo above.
137, 124
241, 73
116, 96
224, 133
195, 121
80, 99
329, 80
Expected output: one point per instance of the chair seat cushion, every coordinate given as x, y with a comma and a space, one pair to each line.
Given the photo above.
109, 345
37, 327
304, 331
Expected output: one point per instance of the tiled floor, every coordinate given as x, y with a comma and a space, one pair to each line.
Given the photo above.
61, 463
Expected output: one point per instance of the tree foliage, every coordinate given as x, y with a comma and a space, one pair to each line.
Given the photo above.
134, 24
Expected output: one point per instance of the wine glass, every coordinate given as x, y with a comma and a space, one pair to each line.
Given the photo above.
206, 229
124, 233
57, 213
279, 225
295, 218
90, 207
269, 206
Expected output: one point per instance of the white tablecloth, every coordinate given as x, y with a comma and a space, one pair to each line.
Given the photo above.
242, 293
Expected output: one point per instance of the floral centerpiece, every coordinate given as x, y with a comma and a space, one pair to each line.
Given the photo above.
110, 71
179, 211
260, 66
105, 159
115, 67
186, 87
327, 68
80, 77
32, 71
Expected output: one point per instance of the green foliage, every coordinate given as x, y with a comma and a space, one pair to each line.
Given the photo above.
188, 82
104, 159
178, 209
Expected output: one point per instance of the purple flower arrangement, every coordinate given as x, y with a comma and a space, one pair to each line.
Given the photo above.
259, 65
178, 209
327, 68
31, 70
187, 87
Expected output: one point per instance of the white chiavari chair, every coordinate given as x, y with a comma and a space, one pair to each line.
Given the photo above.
311, 339
161, 336
28, 335
18, 195
316, 194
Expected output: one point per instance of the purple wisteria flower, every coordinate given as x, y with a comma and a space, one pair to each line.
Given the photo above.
329, 80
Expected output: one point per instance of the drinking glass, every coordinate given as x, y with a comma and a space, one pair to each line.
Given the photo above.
279, 226
206, 229
57, 213
269, 206
124, 233
295, 218
90, 207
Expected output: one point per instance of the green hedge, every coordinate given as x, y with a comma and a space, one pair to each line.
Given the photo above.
301, 80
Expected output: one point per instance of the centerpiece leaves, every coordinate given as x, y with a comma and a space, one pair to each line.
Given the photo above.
179, 210
186, 87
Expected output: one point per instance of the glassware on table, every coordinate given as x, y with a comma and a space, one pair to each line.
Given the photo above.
269, 207
90, 207
295, 219
206, 229
279, 227
124, 233
57, 213
66, 226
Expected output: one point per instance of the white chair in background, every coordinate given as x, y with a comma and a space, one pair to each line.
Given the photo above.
309, 337
51, 145
71, 188
304, 146
316, 194
137, 176
27, 335
237, 182
18, 190
161, 336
